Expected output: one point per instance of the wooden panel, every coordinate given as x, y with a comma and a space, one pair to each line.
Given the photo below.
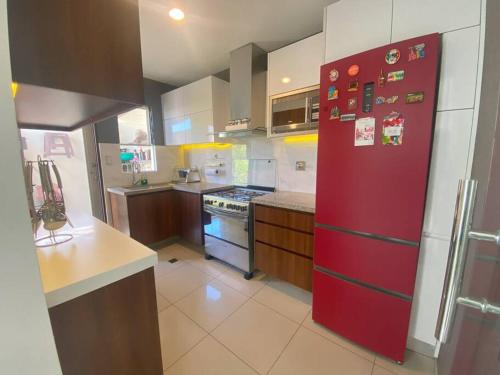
297, 242
286, 266
87, 52
190, 215
153, 217
113, 330
286, 218
119, 213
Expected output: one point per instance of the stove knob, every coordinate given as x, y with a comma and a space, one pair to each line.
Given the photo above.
230, 206
221, 204
244, 208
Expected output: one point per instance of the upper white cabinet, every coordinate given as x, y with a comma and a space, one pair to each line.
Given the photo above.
440, 16
193, 113
354, 26
295, 66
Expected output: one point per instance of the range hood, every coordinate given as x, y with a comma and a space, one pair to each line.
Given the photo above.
247, 92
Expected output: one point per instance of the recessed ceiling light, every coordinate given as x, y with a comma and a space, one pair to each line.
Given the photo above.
176, 14
286, 80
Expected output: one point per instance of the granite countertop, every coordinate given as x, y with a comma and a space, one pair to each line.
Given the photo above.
304, 202
191, 187
98, 255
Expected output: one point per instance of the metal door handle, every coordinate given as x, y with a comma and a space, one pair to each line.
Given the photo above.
481, 304
485, 236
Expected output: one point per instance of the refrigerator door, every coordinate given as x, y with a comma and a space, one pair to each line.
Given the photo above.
370, 189
377, 189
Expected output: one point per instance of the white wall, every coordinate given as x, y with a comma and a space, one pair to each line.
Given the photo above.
356, 25
26, 340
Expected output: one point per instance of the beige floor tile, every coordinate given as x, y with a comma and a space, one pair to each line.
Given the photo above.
312, 354
377, 370
180, 252
178, 334
415, 364
209, 358
212, 267
256, 334
236, 281
180, 282
161, 302
164, 266
210, 304
293, 302
326, 333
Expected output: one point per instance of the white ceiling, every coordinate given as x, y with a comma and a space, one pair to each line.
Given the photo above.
182, 52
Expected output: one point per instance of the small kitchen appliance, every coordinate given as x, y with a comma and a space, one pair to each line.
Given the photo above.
187, 175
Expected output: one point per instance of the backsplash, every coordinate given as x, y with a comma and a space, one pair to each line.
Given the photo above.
255, 155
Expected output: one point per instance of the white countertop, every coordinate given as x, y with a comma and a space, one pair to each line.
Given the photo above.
98, 255
304, 202
191, 187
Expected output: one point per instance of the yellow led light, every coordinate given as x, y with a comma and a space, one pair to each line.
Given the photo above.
14, 86
286, 80
302, 138
199, 146
176, 14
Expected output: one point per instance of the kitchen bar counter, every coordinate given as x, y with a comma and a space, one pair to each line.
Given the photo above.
304, 202
97, 256
192, 187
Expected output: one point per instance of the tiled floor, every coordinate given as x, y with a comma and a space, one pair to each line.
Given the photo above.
214, 322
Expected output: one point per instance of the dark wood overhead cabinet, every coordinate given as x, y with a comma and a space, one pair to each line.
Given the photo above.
75, 62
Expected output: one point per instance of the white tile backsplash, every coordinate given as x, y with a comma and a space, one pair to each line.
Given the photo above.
280, 172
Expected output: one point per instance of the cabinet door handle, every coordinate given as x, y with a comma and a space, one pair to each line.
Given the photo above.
479, 304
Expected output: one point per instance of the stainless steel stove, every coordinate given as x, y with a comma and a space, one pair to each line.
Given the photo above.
228, 233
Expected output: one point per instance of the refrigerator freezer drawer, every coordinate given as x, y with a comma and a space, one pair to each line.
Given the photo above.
370, 318
383, 264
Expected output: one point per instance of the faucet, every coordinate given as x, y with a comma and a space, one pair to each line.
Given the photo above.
136, 168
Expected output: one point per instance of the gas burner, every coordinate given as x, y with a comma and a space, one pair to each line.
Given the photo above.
234, 200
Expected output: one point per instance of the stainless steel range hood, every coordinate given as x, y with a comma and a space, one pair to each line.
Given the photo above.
247, 91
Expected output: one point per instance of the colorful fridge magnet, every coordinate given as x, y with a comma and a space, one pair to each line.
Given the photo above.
381, 78
353, 70
392, 56
368, 90
334, 75
416, 52
415, 97
392, 129
352, 103
364, 132
333, 93
353, 85
335, 113
396, 76
348, 117
391, 100
379, 100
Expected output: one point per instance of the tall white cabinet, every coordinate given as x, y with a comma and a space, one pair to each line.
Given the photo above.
194, 112
353, 26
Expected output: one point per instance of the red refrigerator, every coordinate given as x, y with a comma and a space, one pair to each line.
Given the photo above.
377, 112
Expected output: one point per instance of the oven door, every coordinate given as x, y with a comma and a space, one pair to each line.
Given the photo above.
226, 238
228, 226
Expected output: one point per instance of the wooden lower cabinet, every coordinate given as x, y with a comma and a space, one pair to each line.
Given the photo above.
112, 330
284, 244
154, 217
286, 266
190, 214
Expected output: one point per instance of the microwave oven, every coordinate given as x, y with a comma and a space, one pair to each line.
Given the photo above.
295, 111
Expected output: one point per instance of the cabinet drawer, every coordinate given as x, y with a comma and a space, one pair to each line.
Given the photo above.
298, 242
368, 317
286, 218
286, 266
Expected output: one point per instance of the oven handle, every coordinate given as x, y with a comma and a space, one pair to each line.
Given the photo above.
216, 211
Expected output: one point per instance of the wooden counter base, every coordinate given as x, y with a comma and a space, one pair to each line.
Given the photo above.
112, 330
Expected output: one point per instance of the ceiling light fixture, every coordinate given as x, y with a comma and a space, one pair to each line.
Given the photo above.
176, 14
286, 80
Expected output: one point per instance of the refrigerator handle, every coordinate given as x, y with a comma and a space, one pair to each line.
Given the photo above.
464, 208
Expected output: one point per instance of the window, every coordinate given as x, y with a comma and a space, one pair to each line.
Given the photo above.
136, 150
